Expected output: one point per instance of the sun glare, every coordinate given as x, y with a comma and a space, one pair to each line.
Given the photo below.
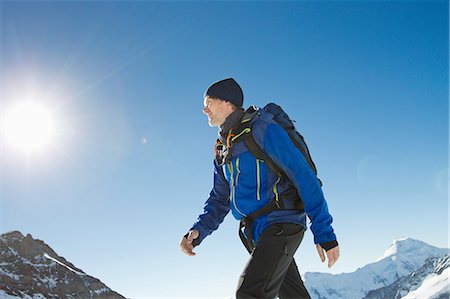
28, 127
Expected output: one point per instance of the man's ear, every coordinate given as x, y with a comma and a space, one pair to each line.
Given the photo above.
232, 106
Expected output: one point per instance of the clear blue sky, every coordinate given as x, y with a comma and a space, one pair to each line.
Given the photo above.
366, 81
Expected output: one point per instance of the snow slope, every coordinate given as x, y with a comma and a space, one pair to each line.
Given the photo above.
402, 258
435, 286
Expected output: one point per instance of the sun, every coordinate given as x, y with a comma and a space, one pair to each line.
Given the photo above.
28, 127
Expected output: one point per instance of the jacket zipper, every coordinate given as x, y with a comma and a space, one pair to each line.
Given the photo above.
233, 188
258, 180
238, 172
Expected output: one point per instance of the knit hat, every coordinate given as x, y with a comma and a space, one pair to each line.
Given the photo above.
227, 90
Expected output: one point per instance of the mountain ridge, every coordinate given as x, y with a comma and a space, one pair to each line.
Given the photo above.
32, 269
409, 268
403, 257
409, 287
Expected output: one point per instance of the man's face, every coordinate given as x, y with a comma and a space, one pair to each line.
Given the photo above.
216, 110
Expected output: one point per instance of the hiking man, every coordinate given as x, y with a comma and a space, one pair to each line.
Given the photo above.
271, 205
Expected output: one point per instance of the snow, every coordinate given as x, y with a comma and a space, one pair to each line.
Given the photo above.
28, 262
392, 250
402, 258
407, 247
13, 251
13, 276
51, 282
3, 295
433, 286
102, 290
64, 265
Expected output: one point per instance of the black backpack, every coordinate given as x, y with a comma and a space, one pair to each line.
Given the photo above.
244, 134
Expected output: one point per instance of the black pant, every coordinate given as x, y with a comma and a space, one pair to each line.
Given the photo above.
271, 270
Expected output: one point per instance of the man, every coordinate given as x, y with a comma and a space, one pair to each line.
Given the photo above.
245, 184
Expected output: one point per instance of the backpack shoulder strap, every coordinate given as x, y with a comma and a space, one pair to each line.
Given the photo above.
244, 133
260, 154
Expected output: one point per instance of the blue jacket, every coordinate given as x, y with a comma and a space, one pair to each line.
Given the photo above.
246, 184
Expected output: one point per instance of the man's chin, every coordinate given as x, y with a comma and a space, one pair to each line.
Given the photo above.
211, 123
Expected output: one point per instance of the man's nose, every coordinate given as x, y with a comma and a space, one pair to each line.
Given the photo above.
205, 110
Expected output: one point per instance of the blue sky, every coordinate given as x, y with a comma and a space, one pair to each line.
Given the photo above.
367, 83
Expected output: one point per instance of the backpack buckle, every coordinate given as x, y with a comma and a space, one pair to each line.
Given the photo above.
222, 152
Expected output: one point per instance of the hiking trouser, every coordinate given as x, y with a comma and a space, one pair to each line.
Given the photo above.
271, 270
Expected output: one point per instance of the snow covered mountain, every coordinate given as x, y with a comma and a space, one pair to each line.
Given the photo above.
30, 269
402, 258
430, 281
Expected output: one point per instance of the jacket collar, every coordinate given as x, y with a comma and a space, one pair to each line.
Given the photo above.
231, 122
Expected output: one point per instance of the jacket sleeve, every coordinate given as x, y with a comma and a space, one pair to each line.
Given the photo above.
278, 145
216, 207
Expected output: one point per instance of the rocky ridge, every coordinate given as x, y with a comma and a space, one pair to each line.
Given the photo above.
29, 268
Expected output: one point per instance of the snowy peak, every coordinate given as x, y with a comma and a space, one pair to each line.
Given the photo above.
407, 247
402, 258
31, 269
405, 256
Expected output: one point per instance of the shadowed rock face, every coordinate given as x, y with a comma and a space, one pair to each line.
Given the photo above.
29, 267
406, 284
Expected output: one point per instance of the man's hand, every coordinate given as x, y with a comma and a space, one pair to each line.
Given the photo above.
186, 242
332, 255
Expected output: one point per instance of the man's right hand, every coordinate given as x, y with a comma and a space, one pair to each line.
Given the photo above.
332, 254
186, 242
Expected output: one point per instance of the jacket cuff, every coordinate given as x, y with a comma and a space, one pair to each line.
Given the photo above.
329, 245
195, 242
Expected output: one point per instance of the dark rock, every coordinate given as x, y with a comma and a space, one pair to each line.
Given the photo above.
30, 267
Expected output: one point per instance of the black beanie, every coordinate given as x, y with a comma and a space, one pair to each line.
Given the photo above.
227, 90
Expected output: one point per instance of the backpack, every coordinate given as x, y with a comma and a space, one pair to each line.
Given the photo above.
244, 134
280, 117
